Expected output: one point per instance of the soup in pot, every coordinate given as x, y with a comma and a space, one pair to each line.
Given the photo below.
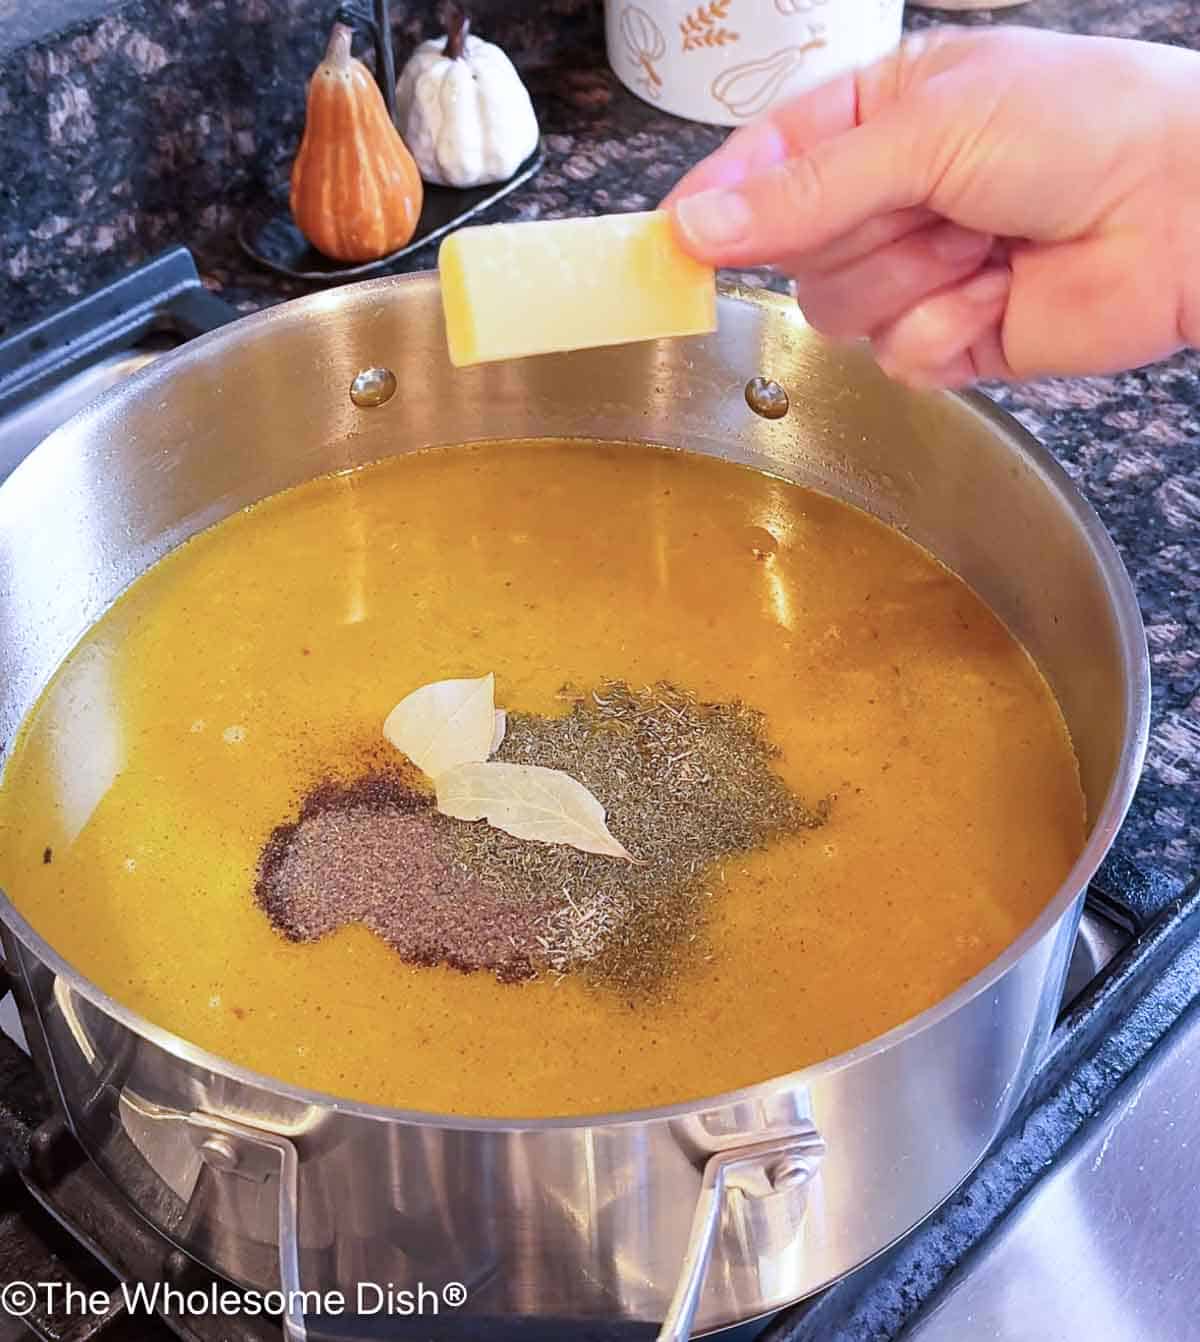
202, 814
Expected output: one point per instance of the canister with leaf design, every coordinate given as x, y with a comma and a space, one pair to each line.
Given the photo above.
726, 61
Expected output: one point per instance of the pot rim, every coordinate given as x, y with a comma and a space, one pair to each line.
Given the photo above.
1109, 817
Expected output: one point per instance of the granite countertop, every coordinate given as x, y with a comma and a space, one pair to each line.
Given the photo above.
1131, 442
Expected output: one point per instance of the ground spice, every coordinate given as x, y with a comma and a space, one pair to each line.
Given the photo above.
375, 852
685, 785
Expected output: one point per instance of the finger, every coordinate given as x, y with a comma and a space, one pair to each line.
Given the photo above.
787, 130
806, 202
959, 372
982, 362
748, 151
935, 334
1093, 305
860, 241
987, 355
881, 287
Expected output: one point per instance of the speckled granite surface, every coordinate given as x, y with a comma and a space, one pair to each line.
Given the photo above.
155, 123
149, 152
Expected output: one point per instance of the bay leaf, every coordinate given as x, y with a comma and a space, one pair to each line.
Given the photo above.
500, 729
445, 724
528, 802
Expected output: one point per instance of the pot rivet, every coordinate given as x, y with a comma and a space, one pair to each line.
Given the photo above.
790, 1172
372, 387
220, 1153
767, 398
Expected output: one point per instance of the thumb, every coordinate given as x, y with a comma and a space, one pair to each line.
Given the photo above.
809, 200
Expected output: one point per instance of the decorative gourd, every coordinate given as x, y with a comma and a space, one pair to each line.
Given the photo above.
463, 110
356, 192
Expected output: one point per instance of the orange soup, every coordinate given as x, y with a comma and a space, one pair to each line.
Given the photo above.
266, 652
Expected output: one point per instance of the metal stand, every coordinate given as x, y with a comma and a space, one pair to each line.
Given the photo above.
378, 25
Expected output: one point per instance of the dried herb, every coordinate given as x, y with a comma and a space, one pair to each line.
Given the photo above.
684, 783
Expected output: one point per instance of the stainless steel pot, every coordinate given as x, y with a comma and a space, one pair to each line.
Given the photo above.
768, 1193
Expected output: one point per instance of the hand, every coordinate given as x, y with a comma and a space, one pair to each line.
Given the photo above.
997, 204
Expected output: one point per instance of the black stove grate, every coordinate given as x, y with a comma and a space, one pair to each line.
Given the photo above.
165, 296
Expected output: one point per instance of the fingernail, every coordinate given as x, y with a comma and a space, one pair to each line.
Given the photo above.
714, 218
989, 286
952, 243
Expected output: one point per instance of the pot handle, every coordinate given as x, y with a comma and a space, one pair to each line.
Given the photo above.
256, 1153
782, 1165
786, 1164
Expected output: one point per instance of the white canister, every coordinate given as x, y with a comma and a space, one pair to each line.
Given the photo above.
726, 61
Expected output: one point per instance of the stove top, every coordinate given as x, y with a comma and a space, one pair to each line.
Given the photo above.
1060, 1230
1088, 1252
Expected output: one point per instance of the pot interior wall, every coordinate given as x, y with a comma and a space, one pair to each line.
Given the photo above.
264, 404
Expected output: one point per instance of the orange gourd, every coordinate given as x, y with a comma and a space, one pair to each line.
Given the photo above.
356, 192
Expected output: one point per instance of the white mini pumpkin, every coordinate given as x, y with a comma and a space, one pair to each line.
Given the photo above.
463, 111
